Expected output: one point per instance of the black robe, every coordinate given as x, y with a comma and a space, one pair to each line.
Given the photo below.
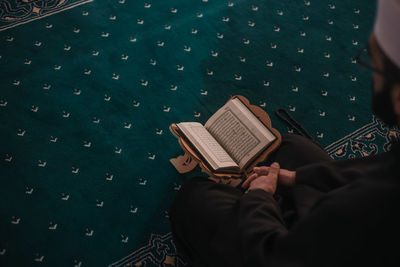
339, 213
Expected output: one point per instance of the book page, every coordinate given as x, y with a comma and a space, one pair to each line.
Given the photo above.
206, 144
239, 132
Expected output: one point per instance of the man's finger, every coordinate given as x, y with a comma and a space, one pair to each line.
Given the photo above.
249, 180
274, 169
262, 170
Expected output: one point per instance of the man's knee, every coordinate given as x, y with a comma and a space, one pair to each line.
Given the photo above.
193, 184
301, 143
296, 151
297, 139
185, 214
201, 198
187, 193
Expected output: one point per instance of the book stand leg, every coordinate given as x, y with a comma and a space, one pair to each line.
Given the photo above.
184, 163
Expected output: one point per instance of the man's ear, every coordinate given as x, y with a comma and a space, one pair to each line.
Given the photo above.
396, 100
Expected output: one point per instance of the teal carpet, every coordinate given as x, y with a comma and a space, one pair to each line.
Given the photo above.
88, 90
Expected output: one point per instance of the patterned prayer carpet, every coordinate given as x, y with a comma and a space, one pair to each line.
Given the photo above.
87, 95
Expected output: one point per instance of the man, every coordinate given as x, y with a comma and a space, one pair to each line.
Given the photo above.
309, 210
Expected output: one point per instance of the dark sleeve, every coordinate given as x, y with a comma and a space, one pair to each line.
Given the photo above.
259, 223
333, 234
326, 176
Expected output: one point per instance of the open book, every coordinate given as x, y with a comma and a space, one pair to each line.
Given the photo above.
231, 139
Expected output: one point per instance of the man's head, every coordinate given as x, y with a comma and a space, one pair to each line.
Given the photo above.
384, 47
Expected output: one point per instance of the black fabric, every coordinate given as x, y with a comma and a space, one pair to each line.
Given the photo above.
339, 213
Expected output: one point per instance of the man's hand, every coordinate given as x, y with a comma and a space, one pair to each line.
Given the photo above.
266, 182
285, 177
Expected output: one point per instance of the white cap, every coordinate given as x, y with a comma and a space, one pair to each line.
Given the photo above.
387, 29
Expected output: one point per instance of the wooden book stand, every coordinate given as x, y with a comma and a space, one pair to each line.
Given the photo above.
191, 158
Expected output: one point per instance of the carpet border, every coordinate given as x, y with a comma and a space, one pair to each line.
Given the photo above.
50, 13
